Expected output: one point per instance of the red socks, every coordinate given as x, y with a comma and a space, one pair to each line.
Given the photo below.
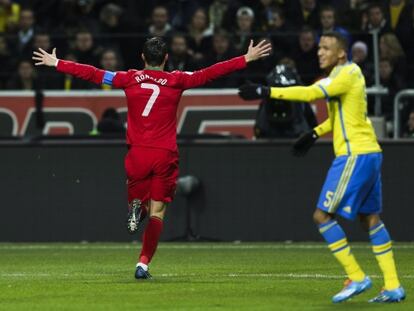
150, 239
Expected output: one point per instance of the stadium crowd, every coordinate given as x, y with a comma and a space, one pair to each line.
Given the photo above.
110, 34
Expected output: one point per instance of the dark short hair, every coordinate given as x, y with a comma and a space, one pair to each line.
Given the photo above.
154, 51
342, 41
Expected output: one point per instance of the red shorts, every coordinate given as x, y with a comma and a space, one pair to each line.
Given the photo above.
152, 174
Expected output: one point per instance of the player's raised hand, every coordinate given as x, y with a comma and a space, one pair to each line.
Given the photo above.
262, 49
44, 58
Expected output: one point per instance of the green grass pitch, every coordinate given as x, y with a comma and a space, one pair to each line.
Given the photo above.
187, 276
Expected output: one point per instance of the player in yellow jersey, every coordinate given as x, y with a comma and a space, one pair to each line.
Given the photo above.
353, 184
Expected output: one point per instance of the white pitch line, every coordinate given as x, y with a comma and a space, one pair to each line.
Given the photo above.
185, 246
195, 275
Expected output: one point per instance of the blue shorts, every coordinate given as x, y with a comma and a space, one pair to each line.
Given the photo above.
353, 186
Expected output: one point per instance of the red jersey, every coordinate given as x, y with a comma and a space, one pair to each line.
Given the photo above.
152, 96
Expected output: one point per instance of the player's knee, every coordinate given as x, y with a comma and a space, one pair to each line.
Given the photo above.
320, 217
157, 209
368, 221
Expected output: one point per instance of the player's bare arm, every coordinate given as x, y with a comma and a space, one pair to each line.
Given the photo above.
262, 49
44, 58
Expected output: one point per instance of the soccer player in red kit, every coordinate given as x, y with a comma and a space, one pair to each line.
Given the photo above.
152, 97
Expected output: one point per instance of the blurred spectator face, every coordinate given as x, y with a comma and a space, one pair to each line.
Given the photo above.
26, 19
308, 5
306, 41
110, 14
160, 17
358, 55
109, 61
410, 122
375, 16
220, 44
327, 19
84, 41
199, 20
277, 20
245, 22
385, 70
25, 70
179, 45
42, 41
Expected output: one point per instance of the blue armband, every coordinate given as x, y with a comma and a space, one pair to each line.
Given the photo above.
108, 77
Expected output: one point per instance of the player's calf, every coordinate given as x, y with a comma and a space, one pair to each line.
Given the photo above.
136, 214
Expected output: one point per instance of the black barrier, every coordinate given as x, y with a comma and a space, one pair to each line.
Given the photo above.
250, 191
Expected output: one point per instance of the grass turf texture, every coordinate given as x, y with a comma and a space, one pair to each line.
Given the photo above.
187, 276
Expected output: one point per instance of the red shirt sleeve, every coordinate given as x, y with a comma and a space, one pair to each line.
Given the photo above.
201, 77
84, 72
121, 79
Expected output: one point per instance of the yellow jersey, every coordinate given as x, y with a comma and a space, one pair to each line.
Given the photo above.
346, 97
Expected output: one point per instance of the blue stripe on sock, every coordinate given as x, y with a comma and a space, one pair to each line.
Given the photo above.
339, 249
381, 237
326, 224
333, 234
375, 226
380, 253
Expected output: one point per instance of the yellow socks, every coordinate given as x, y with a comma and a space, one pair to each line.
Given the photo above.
338, 244
382, 248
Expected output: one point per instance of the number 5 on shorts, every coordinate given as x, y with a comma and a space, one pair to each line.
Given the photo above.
155, 92
329, 197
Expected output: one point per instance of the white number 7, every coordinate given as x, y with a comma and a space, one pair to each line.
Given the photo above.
155, 92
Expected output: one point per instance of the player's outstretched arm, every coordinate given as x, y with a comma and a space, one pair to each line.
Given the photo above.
201, 77
82, 71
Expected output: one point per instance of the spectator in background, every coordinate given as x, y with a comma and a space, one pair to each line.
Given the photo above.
390, 48
111, 123
376, 19
244, 29
222, 50
409, 133
6, 62
114, 20
360, 57
9, 15
110, 61
396, 9
405, 34
178, 57
394, 82
306, 56
222, 14
278, 29
25, 78
159, 26
200, 33
84, 49
303, 12
327, 17
264, 12
110, 24
25, 33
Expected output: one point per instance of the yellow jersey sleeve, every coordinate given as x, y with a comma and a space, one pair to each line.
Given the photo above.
324, 128
297, 93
